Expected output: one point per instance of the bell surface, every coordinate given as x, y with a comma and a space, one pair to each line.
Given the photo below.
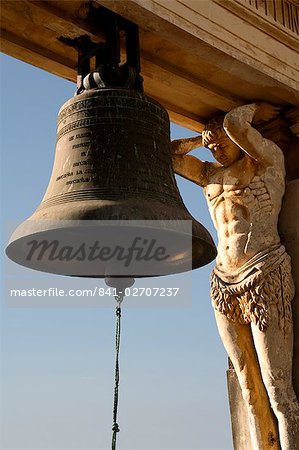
113, 163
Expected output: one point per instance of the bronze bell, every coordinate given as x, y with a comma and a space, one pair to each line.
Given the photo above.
112, 163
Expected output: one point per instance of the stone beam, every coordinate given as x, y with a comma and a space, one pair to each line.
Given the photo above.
196, 61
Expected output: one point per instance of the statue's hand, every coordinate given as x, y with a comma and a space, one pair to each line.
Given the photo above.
265, 112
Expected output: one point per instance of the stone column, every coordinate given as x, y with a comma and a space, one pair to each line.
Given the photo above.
289, 228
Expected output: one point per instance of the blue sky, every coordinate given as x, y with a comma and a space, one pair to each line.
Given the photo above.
57, 363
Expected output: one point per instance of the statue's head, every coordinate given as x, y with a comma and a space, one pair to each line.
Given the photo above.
224, 150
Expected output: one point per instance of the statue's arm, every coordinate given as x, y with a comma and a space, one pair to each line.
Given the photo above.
191, 168
238, 126
183, 146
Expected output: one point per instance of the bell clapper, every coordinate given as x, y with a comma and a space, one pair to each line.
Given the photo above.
120, 285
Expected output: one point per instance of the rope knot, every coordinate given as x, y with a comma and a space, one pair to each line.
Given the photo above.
115, 427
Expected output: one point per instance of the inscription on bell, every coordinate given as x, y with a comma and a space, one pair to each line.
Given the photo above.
79, 141
81, 180
79, 136
86, 162
65, 175
82, 144
112, 141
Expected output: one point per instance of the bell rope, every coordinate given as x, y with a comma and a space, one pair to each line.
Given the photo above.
115, 427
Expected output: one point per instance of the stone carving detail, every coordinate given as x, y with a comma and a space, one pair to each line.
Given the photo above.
284, 12
251, 284
248, 301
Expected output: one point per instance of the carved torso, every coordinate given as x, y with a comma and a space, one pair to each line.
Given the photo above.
244, 201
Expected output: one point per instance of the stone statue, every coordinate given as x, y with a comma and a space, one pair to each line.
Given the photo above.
251, 284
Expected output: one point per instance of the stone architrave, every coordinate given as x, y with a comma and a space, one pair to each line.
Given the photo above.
251, 285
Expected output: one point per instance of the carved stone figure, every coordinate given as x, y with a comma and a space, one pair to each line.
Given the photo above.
251, 284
